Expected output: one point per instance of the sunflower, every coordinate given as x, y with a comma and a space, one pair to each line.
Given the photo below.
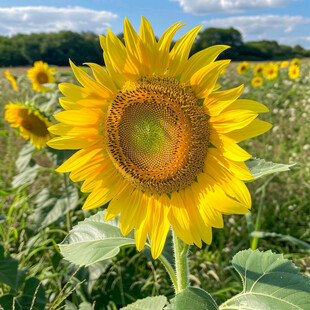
31, 123
11, 78
155, 140
293, 72
257, 81
243, 67
40, 74
284, 64
271, 71
259, 69
295, 62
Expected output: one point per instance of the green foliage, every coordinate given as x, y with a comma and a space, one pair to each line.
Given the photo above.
28, 294
269, 282
149, 303
50, 207
192, 298
54, 48
94, 240
260, 168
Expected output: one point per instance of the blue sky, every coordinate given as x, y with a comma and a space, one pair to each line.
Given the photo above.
287, 21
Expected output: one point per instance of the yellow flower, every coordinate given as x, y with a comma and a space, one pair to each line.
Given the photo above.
11, 78
295, 62
243, 67
259, 69
31, 123
257, 81
40, 74
271, 71
155, 140
284, 64
293, 72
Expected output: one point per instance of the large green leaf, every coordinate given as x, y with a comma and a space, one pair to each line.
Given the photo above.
149, 303
33, 291
25, 157
269, 282
49, 207
8, 270
192, 298
94, 240
26, 177
260, 168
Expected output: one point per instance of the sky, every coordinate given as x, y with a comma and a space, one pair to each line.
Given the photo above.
287, 21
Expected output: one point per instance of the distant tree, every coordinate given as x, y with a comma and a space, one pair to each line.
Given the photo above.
214, 36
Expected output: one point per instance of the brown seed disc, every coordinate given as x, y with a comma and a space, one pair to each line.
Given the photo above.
157, 135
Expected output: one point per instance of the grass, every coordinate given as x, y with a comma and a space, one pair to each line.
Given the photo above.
285, 199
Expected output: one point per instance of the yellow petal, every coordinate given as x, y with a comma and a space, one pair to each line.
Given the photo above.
246, 104
147, 36
232, 120
228, 147
136, 49
238, 169
158, 223
216, 102
164, 43
118, 55
79, 159
102, 76
70, 143
82, 117
68, 104
73, 92
68, 130
91, 86
119, 202
254, 129
180, 51
204, 80
201, 59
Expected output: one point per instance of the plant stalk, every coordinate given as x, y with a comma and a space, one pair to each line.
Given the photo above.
181, 263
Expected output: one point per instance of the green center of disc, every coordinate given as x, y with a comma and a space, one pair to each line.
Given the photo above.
148, 135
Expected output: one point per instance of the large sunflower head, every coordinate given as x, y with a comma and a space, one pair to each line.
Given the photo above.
271, 71
155, 140
31, 123
40, 74
243, 67
11, 78
293, 72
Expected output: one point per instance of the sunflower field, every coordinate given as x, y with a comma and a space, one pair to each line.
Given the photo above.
129, 187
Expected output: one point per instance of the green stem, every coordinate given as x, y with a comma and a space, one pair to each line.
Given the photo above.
167, 265
68, 218
181, 263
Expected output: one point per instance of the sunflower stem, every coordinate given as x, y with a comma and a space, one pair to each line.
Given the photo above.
181, 263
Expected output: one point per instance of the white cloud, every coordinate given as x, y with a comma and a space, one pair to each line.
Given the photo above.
204, 7
30, 19
260, 26
301, 40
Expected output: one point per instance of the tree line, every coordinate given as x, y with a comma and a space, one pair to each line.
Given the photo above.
57, 48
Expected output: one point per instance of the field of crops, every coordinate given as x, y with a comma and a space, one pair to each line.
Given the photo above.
39, 206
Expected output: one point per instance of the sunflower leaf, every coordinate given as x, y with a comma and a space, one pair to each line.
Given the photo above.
94, 240
269, 282
149, 303
192, 298
49, 207
260, 168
